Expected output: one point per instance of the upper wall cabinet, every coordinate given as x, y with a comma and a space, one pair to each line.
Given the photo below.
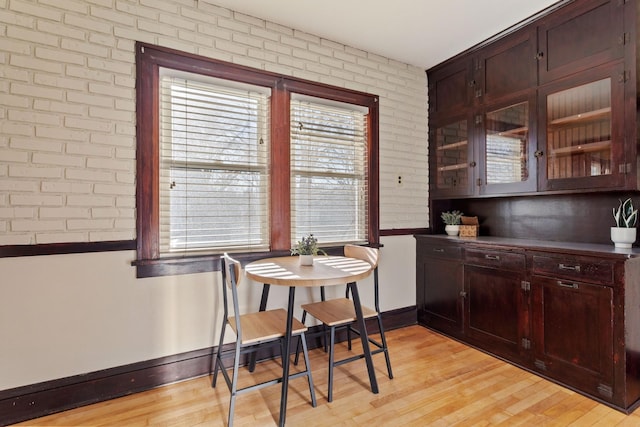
547, 107
505, 68
450, 89
506, 163
580, 36
451, 151
581, 139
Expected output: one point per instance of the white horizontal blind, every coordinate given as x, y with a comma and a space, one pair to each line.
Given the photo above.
328, 171
214, 177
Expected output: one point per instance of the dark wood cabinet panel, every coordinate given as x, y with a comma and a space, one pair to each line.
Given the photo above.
581, 135
503, 260
441, 303
573, 334
586, 269
506, 67
495, 310
576, 38
450, 88
439, 269
452, 155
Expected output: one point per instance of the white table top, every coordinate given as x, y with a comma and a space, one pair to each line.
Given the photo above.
325, 271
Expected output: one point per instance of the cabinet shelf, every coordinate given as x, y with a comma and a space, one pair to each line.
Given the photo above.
582, 117
513, 132
452, 167
452, 146
581, 148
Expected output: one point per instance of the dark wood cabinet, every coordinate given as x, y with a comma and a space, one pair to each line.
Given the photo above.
546, 108
582, 131
507, 145
450, 89
440, 303
496, 302
573, 333
569, 312
505, 68
581, 36
573, 72
452, 152
573, 318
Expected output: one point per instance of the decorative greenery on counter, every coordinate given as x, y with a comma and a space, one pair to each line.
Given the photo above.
307, 246
625, 215
452, 217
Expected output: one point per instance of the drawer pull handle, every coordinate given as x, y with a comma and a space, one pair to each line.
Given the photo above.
575, 268
568, 285
492, 257
438, 250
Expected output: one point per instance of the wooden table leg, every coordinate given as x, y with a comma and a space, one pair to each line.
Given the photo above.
364, 337
263, 307
285, 359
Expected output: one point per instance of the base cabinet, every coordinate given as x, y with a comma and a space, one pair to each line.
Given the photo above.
495, 309
441, 266
573, 334
563, 311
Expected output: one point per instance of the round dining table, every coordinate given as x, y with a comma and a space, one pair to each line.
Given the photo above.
325, 271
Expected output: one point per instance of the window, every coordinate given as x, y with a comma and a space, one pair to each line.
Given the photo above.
213, 165
328, 171
241, 160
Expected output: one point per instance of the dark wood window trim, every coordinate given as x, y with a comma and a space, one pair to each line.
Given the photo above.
149, 59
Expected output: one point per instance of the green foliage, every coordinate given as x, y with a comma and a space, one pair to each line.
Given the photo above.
307, 246
625, 215
451, 218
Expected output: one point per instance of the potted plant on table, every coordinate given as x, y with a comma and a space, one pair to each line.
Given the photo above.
452, 222
624, 233
307, 248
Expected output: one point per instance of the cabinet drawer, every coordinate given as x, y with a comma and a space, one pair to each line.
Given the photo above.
497, 259
442, 251
575, 268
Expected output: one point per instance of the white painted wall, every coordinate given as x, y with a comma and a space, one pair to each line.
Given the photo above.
63, 315
67, 174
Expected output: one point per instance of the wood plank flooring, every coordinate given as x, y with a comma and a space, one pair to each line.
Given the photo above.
438, 382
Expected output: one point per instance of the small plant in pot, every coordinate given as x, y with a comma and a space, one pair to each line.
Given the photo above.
623, 234
307, 248
452, 222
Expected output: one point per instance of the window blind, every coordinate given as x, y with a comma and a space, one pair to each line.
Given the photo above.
214, 177
328, 171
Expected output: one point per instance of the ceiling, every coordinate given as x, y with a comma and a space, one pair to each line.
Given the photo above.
417, 32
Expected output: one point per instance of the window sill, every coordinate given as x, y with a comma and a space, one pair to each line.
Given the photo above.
203, 263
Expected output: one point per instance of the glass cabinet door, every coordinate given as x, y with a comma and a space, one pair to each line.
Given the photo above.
452, 158
507, 145
579, 131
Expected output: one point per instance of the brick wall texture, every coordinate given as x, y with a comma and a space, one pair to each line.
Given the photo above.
67, 107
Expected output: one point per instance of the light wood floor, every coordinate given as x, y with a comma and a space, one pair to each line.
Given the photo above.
438, 382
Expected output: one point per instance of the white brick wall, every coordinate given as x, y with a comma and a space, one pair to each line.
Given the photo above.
67, 107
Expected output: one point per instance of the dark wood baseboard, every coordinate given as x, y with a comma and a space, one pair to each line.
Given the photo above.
66, 248
37, 400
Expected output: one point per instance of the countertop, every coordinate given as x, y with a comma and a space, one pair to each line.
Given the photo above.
546, 245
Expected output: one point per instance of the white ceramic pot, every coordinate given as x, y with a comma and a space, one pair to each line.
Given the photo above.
623, 237
452, 230
306, 259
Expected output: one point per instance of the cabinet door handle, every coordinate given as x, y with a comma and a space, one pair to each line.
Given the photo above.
575, 268
492, 257
567, 285
440, 250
